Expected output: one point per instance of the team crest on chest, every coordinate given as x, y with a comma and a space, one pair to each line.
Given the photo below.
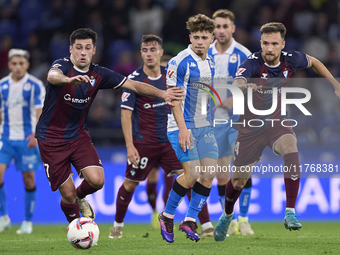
211, 63
92, 81
27, 86
233, 58
285, 73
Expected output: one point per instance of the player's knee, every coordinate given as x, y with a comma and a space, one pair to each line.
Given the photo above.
190, 181
97, 182
129, 185
206, 182
238, 184
290, 149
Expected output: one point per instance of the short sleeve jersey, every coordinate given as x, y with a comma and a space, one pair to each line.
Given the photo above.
150, 114
19, 101
66, 107
226, 66
255, 70
195, 75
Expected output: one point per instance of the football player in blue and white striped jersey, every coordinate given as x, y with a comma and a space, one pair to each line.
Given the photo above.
228, 55
21, 101
189, 127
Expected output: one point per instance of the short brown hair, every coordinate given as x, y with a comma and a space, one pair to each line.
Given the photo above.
152, 38
83, 33
200, 22
274, 27
224, 13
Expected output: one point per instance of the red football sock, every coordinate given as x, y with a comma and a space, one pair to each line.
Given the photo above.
152, 194
123, 201
231, 196
71, 211
168, 182
292, 178
85, 189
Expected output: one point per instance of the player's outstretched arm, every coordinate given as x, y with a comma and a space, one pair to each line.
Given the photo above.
322, 70
56, 77
184, 135
132, 153
145, 89
227, 103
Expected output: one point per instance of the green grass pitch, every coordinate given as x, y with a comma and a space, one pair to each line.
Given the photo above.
269, 238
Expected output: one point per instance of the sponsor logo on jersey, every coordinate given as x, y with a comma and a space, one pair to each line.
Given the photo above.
240, 71
67, 97
125, 96
56, 65
147, 106
159, 104
233, 58
5, 86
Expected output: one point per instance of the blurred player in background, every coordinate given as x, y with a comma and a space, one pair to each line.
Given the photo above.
21, 99
153, 176
270, 63
61, 132
189, 130
144, 126
228, 55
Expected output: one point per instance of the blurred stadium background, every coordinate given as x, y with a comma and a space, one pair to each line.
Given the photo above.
43, 27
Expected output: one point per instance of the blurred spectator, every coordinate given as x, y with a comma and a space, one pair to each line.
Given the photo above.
176, 36
203, 6
39, 64
125, 64
5, 45
116, 16
95, 22
146, 17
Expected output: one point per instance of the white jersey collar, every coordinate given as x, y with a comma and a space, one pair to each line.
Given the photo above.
22, 79
80, 71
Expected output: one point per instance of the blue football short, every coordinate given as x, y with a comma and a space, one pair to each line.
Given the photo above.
225, 137
26, 159
204, 145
